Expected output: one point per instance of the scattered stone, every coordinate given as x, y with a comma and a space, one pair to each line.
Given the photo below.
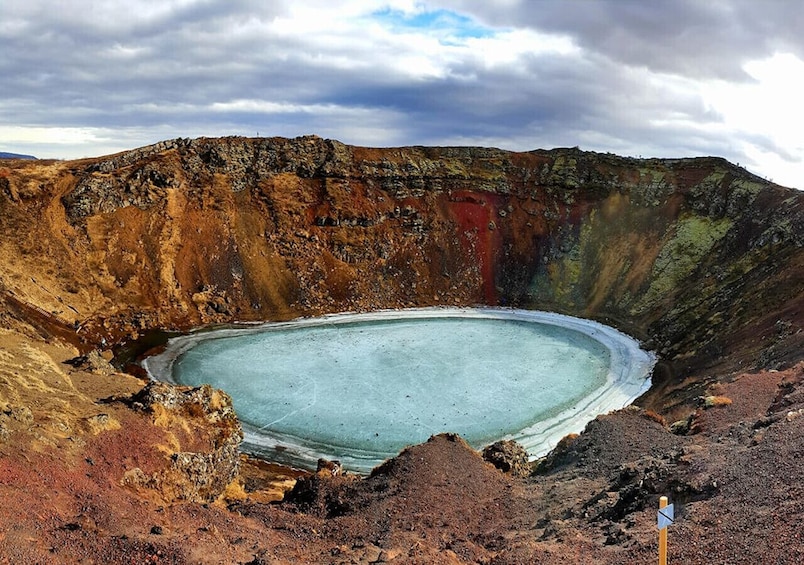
716, 401
331, 468
682, 427
509, 457
93, 362
793, 414
14, 418
101, 423
323, 494
389, 555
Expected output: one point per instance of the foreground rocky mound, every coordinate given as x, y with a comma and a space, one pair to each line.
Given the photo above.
697, 257
735, 484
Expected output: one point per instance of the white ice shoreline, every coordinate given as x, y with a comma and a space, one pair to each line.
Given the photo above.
628, 376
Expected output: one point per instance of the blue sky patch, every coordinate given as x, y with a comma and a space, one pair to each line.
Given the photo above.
445, 23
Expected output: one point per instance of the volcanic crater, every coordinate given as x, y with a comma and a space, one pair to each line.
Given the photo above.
699, 259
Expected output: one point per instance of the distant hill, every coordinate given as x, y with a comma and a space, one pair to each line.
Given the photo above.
4, 155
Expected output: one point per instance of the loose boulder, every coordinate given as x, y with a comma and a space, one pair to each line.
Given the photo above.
509, 457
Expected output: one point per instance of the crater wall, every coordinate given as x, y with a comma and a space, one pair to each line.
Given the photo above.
697, 257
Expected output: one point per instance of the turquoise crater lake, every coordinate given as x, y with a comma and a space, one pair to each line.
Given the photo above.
361, 387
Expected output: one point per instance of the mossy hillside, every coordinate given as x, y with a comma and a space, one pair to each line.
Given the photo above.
693, 239
599, 265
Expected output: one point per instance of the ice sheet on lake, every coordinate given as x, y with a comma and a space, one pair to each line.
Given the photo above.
360, 387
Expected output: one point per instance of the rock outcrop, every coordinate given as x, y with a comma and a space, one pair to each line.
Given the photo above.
208, 434
509, 457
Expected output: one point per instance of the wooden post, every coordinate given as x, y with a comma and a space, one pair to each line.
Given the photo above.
662, 536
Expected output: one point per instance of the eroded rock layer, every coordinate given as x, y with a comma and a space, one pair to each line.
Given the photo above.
697, 256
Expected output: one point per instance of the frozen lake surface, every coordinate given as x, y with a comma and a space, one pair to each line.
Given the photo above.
361, 387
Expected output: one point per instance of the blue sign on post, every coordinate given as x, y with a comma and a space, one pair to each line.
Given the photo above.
666, 516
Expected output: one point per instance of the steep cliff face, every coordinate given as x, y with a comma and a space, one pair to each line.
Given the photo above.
696, 256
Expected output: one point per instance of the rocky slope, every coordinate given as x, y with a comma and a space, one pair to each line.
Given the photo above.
697, 257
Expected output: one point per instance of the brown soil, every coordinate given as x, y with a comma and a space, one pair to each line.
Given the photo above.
735, 483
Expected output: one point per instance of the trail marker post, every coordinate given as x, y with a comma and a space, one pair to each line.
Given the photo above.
665, 518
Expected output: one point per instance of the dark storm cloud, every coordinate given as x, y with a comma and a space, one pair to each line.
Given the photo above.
120, 68
712, 38
102, 61
100, 67
547, 101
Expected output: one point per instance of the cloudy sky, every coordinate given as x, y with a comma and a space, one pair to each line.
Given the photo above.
633, 77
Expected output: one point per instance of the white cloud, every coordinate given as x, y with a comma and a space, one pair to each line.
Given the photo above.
25, 135
86, 77
764, 116
771, 105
